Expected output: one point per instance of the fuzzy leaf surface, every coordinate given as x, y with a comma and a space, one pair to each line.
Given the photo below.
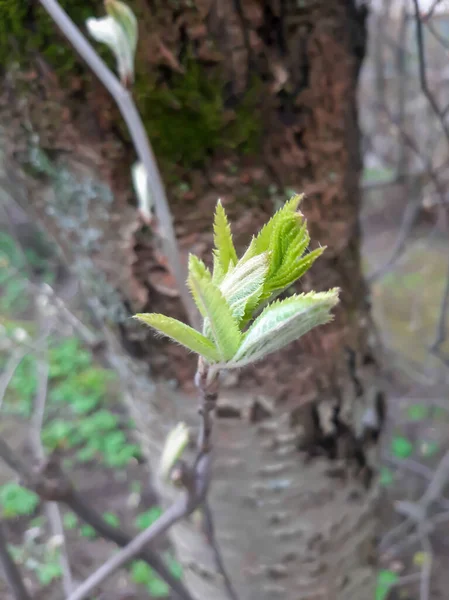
183, 334
243, 284
282, 322
219, 323
261, 243
224, 246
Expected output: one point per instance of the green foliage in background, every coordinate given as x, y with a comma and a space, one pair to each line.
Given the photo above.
90, 428
16, 501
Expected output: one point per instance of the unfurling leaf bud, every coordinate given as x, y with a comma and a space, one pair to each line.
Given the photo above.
142, 188
118, 30
174, 447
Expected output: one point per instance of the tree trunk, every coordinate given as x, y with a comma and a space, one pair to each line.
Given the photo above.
293, 495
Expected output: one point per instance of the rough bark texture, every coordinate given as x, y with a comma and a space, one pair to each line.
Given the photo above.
291, 525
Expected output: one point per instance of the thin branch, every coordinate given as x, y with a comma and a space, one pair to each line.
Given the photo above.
442, 325
51, 484
423, 73
13, 362
209, 531
52, 509
16, 358
408, 220
175, 513
76, 502
431, 10
10, 570
195, 480
426, 569
140, 139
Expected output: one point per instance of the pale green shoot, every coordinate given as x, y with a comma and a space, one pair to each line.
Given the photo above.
238, 289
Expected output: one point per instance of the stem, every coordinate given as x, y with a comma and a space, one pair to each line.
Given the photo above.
140, 140
207, 384
11, 571
51, 484
177, 511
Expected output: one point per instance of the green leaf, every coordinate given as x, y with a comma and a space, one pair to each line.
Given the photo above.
124, 16
282, 322
242, 286
261, 243
401, 447
16, 500
88, 532
46, 573
111, 519
147, 518
158, 588
224, 246
291, 272
386, 477
70, 521
418, 412
141, 573
385, 579
181, 333
175, 566
219, 320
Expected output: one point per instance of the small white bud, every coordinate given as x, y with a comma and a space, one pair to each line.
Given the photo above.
20, 335
175, 444
142, 188
118, 30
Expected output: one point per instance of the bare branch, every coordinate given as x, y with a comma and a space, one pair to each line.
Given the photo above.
442, 325
408, 220
209, 531
51, 484
140, 139
175, 513
426, 569
423, 72
10, 570
52, 509
431, 10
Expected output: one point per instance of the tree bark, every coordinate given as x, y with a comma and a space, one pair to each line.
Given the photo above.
293, 494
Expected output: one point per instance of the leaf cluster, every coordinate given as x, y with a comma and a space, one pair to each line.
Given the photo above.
237, 290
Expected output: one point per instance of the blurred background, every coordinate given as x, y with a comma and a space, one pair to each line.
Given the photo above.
65, 330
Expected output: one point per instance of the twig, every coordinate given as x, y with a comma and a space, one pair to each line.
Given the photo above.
51, 484
16, 358
423, 74
52, 509
442, 325
140, 139
195, 480
408, 220
207, 384
14, 361
209, 531
176, 512
426, 569
431, 10
11, 571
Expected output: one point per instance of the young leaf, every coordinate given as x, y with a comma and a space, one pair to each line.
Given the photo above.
261, 243
219, 320
198, 271
290, 273
224, 246
118, 30
282, 322
181, 333
243, 284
